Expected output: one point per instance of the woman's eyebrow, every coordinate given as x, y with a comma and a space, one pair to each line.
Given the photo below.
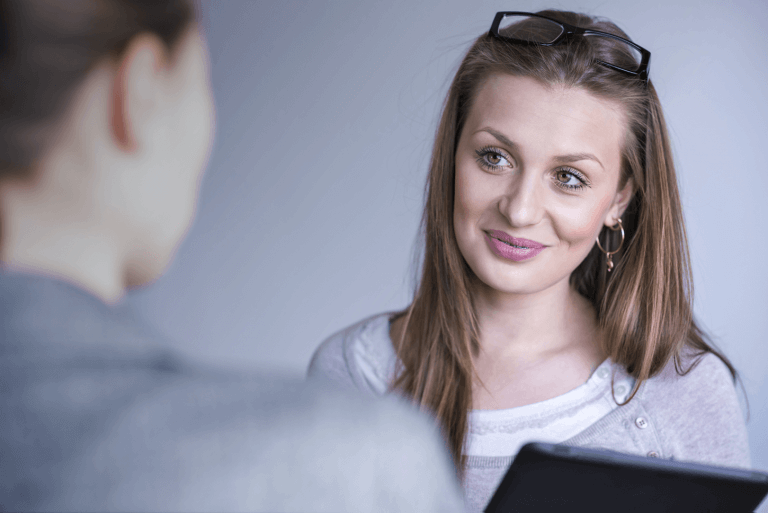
503, 139
575, 157
560, 159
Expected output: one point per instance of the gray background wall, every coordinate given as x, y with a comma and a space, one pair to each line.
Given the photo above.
326, 113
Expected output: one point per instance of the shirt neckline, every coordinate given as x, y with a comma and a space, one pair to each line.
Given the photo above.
598, 384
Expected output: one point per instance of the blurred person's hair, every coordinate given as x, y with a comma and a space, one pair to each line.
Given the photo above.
644, 307
47, 48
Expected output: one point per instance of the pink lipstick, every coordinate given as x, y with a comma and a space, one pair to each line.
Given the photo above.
512, 248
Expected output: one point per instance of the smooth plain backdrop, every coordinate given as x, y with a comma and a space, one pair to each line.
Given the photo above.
326, 115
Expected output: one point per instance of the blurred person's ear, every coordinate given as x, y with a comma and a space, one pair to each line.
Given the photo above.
137, 90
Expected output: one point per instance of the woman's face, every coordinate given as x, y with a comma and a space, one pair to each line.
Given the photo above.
537, 172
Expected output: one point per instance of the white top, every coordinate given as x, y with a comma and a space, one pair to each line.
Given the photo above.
503, 432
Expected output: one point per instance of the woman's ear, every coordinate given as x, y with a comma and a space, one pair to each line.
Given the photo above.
620, 202
136, 90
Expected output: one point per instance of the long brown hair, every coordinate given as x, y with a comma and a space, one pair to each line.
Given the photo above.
644, 309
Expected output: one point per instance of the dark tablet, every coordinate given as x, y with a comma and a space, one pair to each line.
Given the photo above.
546, 478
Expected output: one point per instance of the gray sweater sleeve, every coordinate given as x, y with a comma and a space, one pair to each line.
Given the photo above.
336, 359
333, 361
700, 414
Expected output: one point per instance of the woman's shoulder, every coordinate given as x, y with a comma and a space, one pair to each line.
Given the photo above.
699, 412
704, 375
359, 356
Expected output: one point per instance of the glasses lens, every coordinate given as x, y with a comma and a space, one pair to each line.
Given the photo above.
530, 28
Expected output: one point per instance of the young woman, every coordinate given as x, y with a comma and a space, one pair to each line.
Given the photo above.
106, 123
555, 298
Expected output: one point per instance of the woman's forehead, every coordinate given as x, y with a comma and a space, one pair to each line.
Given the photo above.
557, 119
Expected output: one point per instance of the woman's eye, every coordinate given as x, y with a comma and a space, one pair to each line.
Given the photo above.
568, 179
495, 159
492, 159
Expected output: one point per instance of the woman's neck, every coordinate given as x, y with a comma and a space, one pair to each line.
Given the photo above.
531, 326
533, 347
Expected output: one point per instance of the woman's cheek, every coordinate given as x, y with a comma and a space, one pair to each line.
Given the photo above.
475, 190
580, 225
463, 197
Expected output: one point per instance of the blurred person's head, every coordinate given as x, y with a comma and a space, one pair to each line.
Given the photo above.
106, 126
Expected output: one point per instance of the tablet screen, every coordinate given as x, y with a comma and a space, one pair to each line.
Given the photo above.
547, 477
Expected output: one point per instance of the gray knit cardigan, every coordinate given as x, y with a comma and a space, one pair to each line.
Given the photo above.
696, 417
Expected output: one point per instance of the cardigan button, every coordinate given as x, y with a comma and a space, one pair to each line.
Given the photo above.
653, 454
641, 422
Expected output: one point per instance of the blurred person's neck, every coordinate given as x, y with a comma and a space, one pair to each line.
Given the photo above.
43, 237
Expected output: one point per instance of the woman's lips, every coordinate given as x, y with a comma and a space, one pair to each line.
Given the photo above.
512, 248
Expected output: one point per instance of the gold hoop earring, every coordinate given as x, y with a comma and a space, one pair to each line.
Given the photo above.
609, 254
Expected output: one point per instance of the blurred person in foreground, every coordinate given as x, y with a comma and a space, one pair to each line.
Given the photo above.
106, 125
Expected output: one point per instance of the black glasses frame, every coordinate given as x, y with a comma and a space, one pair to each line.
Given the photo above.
570, 31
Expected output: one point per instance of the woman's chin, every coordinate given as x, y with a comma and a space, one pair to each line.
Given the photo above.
521, 282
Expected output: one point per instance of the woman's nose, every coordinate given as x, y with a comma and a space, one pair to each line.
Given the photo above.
521, 202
